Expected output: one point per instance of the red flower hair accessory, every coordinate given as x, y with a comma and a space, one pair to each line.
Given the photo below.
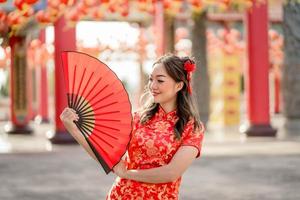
189, 67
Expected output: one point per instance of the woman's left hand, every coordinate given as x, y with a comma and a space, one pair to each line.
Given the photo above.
120, 169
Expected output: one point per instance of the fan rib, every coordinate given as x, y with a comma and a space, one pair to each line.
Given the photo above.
109, 120
99, 108
84, 107
73, 85
90, 124
86, 111
83, 110
78, 90
105, 113
105, 166
99, 158
107, 134
87, 129
87, 83
94, 86
82, 130
90, 100
69, 100
103, 140
98, 93
99, 114
99, 125
103, 132
82, 95
102, 99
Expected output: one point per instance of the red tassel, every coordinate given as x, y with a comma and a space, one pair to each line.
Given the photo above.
189, 88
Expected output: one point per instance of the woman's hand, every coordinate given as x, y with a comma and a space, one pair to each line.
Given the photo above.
120, 169
68, 115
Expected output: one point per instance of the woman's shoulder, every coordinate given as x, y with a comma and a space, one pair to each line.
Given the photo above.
199, 126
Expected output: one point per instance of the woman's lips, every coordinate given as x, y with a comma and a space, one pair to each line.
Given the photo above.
155, 94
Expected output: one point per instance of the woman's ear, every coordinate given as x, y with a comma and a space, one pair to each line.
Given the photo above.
179, 86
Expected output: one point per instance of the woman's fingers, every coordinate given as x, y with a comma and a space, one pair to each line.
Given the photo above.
69, 114
74, 112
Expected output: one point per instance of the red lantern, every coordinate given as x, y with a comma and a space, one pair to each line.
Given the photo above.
112, 8
43, 17
14, 18
125, 13
20, 3
125, 9
2, 15
196, 3
96, 14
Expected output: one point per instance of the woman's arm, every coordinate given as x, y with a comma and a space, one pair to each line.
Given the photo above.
167, 173
67, 117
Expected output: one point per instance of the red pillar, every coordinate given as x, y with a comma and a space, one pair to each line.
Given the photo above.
43, 115
19, 88
159, 25
257, 83
64, 39
164, 30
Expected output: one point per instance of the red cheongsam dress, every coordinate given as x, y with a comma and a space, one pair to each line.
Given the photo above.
153, 145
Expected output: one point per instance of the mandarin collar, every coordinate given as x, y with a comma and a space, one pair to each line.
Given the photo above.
161, 114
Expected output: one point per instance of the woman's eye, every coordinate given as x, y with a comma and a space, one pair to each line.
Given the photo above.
150, 79
160, 81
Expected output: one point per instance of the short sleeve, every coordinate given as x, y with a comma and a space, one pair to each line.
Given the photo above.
193, 137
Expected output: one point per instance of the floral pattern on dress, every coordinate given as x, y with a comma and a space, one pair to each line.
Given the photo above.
153, 145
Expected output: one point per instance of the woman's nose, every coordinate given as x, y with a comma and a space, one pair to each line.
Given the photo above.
153, 85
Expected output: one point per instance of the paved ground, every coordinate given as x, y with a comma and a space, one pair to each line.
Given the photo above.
232, 167
70, 174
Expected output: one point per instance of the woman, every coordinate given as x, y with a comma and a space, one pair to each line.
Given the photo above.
166, 138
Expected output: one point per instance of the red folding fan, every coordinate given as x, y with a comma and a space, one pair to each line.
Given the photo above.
102, 104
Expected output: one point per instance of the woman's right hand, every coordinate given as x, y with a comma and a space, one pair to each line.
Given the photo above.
68, 115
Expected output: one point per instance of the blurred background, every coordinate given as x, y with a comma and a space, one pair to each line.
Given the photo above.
246, 85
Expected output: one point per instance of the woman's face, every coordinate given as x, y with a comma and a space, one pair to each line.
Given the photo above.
162, 87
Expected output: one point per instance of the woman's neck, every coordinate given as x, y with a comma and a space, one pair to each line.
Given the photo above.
168, 107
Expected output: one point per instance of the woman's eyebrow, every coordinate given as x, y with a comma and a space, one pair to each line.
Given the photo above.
159, 75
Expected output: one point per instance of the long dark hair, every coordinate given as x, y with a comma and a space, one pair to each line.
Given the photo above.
186, 109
